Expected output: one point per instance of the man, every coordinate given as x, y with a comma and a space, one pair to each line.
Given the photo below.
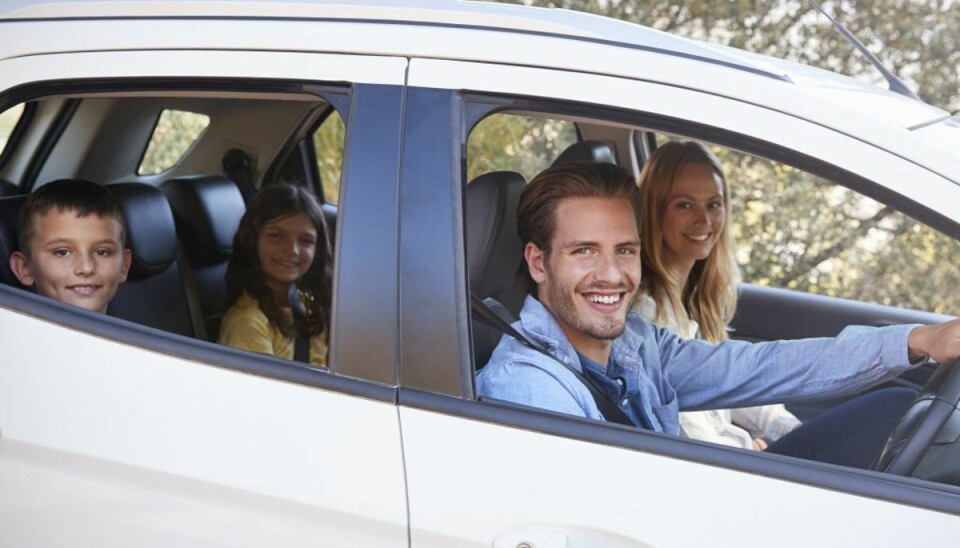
579, 224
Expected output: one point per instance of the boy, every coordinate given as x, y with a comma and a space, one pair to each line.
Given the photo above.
72, 244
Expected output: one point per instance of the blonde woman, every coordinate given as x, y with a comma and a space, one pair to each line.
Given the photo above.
689, 285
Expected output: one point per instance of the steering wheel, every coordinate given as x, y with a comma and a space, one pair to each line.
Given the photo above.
929, 432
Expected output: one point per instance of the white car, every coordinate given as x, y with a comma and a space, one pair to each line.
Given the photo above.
137, 429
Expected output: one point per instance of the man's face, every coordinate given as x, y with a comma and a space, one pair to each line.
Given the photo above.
77, 260
590, 276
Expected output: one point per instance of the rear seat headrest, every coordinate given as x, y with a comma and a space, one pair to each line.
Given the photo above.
586, 151
207, 209
8, 188
494, 252
9, 236
151, 234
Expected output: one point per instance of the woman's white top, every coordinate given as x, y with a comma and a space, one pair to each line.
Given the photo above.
734, 427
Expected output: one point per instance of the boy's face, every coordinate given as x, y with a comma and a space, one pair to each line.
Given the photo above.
77, 260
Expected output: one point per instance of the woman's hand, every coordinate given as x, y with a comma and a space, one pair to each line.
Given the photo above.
759, 444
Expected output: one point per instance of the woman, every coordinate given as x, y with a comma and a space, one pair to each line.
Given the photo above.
689, 285
278, 278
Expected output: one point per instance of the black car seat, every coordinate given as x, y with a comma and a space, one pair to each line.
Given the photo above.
9, 234
494, 253
8, 188
155, 293
207, 210
586, 151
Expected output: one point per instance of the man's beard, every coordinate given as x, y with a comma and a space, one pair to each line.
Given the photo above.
607, 328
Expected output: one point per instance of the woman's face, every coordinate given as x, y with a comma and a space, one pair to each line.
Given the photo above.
286, 247
694, 216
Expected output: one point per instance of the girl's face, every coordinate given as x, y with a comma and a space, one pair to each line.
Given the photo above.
286, 247
694, 216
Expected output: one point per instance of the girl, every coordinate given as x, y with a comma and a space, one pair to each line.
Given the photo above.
278, 278
689, 285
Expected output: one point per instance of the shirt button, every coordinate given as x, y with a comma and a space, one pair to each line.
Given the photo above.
620, 381
624, 402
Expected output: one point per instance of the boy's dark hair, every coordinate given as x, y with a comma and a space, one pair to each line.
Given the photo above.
244, 272
81, 196
536, 211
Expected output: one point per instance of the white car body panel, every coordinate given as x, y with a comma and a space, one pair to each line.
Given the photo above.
188, 435
614, 497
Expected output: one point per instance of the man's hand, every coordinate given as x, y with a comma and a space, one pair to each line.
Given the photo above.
941, 342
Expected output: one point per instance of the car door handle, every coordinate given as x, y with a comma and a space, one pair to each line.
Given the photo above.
564, 536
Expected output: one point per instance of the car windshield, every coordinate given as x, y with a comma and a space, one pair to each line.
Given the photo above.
944, 135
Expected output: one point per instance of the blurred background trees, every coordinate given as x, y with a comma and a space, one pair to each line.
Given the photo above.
795, 230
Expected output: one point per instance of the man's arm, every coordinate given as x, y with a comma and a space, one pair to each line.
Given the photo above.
531, 385
738, 374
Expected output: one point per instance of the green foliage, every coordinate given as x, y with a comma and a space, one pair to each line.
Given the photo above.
174, 134
8, 120
516, 143
328, 141
794, 230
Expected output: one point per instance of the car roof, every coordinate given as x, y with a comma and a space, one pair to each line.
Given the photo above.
476, 15
536, 37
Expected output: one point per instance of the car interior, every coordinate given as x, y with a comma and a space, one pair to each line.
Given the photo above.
182, 210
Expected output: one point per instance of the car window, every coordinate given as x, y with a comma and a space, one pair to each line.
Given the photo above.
178, 175
513, 142
328, 143
176, 131
8, 121
797, 231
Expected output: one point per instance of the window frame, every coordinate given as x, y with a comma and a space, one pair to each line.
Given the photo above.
357, 375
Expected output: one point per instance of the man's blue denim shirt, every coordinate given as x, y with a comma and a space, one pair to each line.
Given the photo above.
670, 373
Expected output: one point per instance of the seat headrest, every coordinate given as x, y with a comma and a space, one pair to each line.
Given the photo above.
151, 234
494, 251
9, 189
207, 209
9, 236
586, 151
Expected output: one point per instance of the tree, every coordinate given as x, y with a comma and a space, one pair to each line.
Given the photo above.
795, 230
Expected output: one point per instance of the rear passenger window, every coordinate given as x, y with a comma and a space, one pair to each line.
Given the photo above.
176, 131
328, 143
517, 143
8, 121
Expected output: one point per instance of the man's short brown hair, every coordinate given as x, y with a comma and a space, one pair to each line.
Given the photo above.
536, 212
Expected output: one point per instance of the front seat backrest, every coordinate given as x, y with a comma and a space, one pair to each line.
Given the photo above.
207, 210
494, 252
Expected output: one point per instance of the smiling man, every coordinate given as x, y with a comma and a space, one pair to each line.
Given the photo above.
579, 227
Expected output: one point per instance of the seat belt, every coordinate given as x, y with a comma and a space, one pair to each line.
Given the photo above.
301, 345
483, 313
193, 300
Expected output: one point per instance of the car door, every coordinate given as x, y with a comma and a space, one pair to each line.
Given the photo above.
114, 434
487, 473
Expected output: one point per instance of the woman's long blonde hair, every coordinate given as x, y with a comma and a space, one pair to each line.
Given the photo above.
710, 294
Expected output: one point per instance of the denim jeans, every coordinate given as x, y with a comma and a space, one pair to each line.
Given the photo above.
851, 434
